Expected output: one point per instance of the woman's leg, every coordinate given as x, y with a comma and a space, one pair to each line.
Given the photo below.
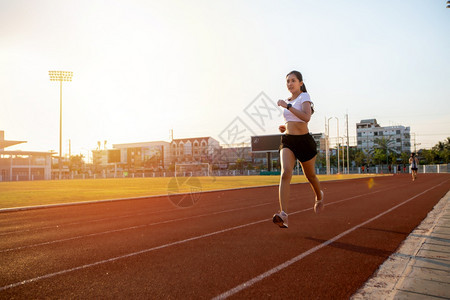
310, 173
288, 160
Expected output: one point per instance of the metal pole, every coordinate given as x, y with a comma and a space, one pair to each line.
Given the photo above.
328, 145
337, 147
326, 148
343, 156
60, 130
348, 145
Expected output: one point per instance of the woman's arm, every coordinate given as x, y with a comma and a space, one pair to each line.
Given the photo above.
304, 113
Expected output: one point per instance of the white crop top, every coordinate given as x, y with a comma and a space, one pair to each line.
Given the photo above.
297, 104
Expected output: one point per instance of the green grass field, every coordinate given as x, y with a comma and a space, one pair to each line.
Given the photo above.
31, 193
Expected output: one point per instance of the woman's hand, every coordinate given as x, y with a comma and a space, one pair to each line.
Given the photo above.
282, 103
282, 128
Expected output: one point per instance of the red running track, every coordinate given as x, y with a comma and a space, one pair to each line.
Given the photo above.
224, 246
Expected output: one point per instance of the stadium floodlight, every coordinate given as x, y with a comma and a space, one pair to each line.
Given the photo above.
60, 76
448, 4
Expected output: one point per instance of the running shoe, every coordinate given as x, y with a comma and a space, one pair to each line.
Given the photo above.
318, 205
281, 219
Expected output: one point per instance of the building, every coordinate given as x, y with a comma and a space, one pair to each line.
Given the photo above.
141, 156
368, 131
320, 140
23, 165
229, 156
193, 150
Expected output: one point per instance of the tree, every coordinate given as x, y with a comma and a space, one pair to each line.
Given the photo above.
404, 157
385, 146
442, 151
379, 156
76, 163
360, 157
321, 160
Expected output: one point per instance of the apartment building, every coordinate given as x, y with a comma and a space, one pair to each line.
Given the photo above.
368, 131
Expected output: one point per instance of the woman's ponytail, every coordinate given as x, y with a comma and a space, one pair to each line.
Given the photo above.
303, 88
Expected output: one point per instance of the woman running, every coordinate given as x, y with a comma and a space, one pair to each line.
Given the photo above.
414, 163
296, 143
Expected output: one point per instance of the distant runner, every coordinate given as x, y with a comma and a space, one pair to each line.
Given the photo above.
414, 162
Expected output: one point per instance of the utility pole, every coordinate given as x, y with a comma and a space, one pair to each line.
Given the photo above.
326, 146
337, 146
327, 132
343, 156
348, 146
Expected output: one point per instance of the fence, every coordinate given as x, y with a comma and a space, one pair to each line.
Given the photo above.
441, 168
383, 169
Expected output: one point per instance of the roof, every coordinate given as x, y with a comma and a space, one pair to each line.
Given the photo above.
18, 152
140, 144
370, 121
194, 138
4, 143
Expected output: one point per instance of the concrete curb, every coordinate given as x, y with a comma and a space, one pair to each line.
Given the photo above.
399, 276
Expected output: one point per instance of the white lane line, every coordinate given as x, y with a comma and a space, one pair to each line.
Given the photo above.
104, 219
85, 222
168, 221
312, 250
162, 246
111, 200
114, 200
127, 255
130, 228
25, 208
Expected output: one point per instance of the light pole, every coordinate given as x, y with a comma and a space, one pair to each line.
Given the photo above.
343, 155
328, 145
348, 145
337, 147
60, 76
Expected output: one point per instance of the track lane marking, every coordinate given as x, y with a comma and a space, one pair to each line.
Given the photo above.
124, 199
85, 222
166, 245
168, 221
312, 250
131, 228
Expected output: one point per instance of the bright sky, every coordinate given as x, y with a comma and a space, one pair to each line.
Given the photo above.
144, 67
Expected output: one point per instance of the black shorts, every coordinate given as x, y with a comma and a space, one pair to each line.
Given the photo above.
303, 146
414, 169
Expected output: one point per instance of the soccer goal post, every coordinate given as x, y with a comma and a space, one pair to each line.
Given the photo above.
197, 169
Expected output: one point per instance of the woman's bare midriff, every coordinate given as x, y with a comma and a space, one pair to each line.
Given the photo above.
296, 128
